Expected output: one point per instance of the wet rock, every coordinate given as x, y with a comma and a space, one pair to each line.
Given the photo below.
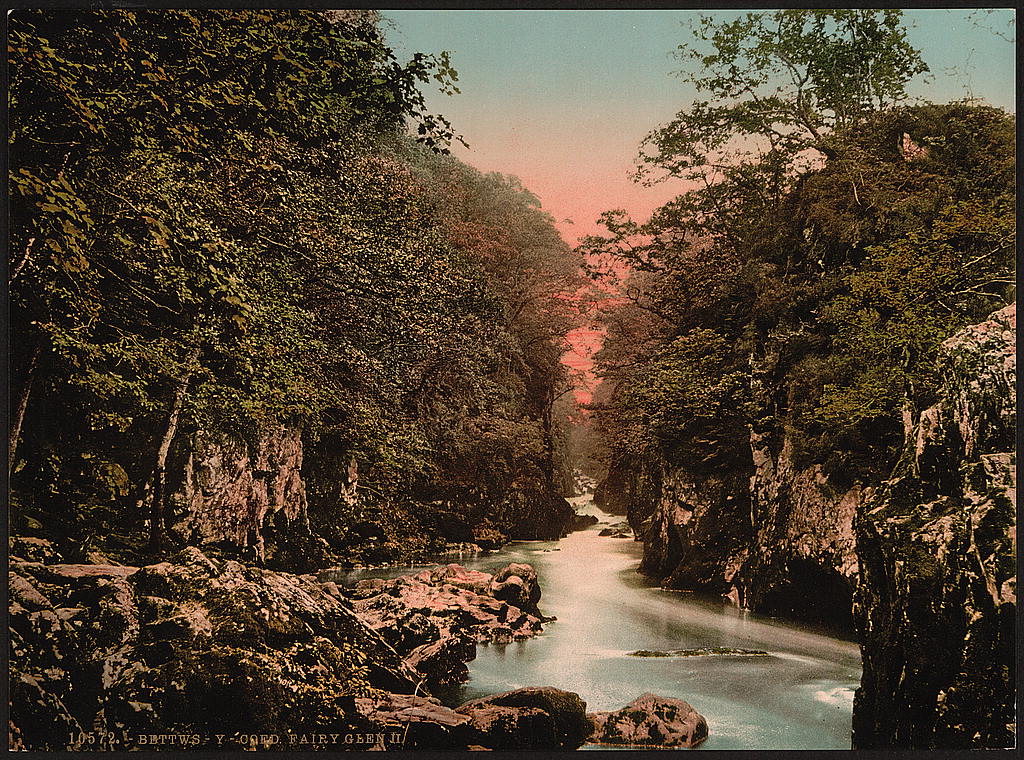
699, 652
650, 720
541, 718
488, 538
435, 617
530, 718
517, 584
443, 662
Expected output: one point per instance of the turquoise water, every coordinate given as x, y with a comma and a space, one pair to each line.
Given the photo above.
798, 697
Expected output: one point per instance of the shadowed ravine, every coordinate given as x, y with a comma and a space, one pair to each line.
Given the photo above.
798, 697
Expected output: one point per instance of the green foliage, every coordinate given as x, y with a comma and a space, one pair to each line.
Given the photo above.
227, 202
685, 396
833, 238
780, 83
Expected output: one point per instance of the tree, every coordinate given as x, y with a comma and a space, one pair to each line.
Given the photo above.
780, 84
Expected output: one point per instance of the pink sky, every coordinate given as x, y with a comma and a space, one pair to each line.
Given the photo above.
563, 99
576, 178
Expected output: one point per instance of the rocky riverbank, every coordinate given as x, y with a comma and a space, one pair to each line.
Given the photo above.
217, 653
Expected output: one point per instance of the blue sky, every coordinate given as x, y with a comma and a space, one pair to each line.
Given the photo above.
562, 99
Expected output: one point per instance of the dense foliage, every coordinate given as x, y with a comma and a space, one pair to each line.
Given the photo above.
220, 226
834, 236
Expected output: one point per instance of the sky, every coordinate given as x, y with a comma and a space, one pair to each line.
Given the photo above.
563, 99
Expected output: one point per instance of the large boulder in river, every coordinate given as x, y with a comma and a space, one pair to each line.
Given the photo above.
531, 512
517, 584
650, 720
531, 718
582, 522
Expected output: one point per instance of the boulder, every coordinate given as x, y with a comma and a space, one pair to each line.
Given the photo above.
532, 718
423, 722
525, 719
582, 522
443, 662
650, 720
618, 530
517, 584
187, 645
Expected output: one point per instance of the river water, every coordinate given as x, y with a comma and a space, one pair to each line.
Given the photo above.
798, 697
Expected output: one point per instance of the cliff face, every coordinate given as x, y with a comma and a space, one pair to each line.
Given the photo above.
695, 531
802, 561
936, 601
781, 538
777, 539
239, 492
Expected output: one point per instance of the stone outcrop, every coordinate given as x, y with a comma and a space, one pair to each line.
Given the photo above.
612, 493
191, 645
651, 721
696, 532
935, 605
530, 718
435, 617
802, 561
243, 492
197, 646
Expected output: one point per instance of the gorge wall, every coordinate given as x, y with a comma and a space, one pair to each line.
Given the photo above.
935, 605
776, 538
921, 566
249, 498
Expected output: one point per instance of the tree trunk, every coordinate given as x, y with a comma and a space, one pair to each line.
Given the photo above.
158, 512
21, 406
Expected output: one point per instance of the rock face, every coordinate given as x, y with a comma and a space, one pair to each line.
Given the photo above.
802, 561
696, 533
530, 718
769, 533
435, 618
232, 491
192, 645
650, 720
936, 602
196, 646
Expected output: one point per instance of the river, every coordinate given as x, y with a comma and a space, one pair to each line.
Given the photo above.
800, 696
